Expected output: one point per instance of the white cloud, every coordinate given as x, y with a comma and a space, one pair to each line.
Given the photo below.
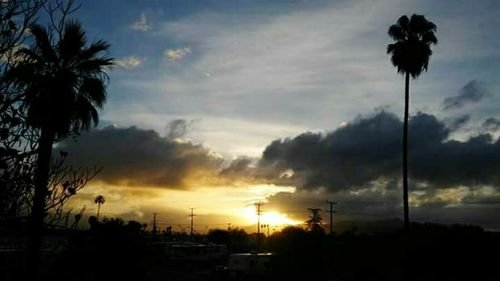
278, 69
141, 24
129, 63
308, 68
176, 54
286, 71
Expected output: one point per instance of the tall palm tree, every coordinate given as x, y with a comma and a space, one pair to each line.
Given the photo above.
64, 85
99, 200
410, 53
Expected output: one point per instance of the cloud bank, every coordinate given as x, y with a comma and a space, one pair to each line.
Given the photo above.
351, 157
137, 157
357, 164
370, 148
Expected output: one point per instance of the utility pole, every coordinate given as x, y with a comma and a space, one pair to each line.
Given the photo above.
331, 214
154, 224
259, 213
192, 215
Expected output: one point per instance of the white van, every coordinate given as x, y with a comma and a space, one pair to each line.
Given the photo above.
249, 264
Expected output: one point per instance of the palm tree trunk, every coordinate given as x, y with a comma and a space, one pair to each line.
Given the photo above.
405, 154
38, 211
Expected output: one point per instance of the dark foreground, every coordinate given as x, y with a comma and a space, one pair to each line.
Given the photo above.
114, 251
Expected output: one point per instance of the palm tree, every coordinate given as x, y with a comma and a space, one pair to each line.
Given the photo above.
410, 53
314, 221
64, 85
99, 200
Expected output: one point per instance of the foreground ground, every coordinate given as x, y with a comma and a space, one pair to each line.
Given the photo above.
113, 252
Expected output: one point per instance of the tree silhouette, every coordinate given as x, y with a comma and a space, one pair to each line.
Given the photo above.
99, 200
15, 139
410, 53
314, 221
63, 85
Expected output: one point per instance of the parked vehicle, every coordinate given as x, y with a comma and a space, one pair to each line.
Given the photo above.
242, 266
198, 255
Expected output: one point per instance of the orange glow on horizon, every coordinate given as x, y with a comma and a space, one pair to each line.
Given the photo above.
214, 206
272, 217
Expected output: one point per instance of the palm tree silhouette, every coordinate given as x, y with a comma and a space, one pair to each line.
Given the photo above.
99, 200
410, 53
314, 221
63, 84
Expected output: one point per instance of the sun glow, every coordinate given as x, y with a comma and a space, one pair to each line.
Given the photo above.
272, 218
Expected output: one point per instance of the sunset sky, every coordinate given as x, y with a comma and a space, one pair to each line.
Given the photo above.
216, 105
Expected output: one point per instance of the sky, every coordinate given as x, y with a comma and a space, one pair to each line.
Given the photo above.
216, 105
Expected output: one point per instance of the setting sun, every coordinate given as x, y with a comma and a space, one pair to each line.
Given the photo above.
272, 218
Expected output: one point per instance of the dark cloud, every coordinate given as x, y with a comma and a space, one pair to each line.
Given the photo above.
457, 123
178, 128
472, 92
492, 200
370, 203
491, 125
370, 148
240, 167
138, 157
332, 160
379, 201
